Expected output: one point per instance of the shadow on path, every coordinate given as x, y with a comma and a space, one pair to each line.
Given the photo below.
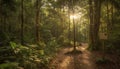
82, 59
69, 59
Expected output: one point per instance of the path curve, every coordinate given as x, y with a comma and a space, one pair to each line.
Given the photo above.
77, 61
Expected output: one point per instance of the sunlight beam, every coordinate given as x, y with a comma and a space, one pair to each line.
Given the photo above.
73, 16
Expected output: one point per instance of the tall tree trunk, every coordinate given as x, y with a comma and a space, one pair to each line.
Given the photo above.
74, 29
95, 10
22, 22
0, 16
91, 24
9, 27
69, 22
69, 32
112, 16
97, 22
37, 21
111, 19
108, 18
4, 23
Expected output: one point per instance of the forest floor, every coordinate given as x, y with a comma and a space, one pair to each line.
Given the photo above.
84, 59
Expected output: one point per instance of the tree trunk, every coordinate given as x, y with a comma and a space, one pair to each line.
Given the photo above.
97, 23
112, 16
37, 21
0, 16
69, 22
94, 23
74, 29
108, 19
91, 24
22, 22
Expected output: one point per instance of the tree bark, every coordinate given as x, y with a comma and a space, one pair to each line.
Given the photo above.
97, 23
37, 21
91, 24
112, 16
69, 22
95, 9
108, 18
22, 22
74, 29
0, 16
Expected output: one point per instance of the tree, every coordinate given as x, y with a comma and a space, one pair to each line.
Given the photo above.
22, 22
95, 10
91, 22
37, 20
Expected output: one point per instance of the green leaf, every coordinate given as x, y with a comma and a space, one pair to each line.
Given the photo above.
41, 52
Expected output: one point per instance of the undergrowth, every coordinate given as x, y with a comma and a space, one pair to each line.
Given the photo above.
16, 56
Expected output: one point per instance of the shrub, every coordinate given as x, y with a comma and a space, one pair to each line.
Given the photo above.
9, 65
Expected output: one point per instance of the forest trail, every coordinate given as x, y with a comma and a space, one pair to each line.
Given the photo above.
74, 61
83, 60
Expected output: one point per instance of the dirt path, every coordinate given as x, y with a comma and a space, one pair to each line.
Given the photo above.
84, 60
77, 61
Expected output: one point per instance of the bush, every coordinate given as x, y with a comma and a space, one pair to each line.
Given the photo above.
33, 56
51, 47
9, 65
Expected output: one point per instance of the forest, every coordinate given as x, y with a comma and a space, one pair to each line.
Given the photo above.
59, 34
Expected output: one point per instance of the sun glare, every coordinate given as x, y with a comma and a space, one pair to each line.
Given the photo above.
76, 16
73, 17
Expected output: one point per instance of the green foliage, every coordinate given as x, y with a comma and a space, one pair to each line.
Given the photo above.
7, 54
61, 39
13, 45
41, 45
9, 65
29, 65
67, 43
4, 38
26, 55
30, 56
54, 30
51, 47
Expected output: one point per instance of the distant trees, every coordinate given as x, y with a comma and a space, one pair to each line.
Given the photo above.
27, 21
36, 28
7, 8
105, 20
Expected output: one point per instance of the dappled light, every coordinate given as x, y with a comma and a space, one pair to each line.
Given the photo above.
76, 16
73, 17
59, 34
65, 62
